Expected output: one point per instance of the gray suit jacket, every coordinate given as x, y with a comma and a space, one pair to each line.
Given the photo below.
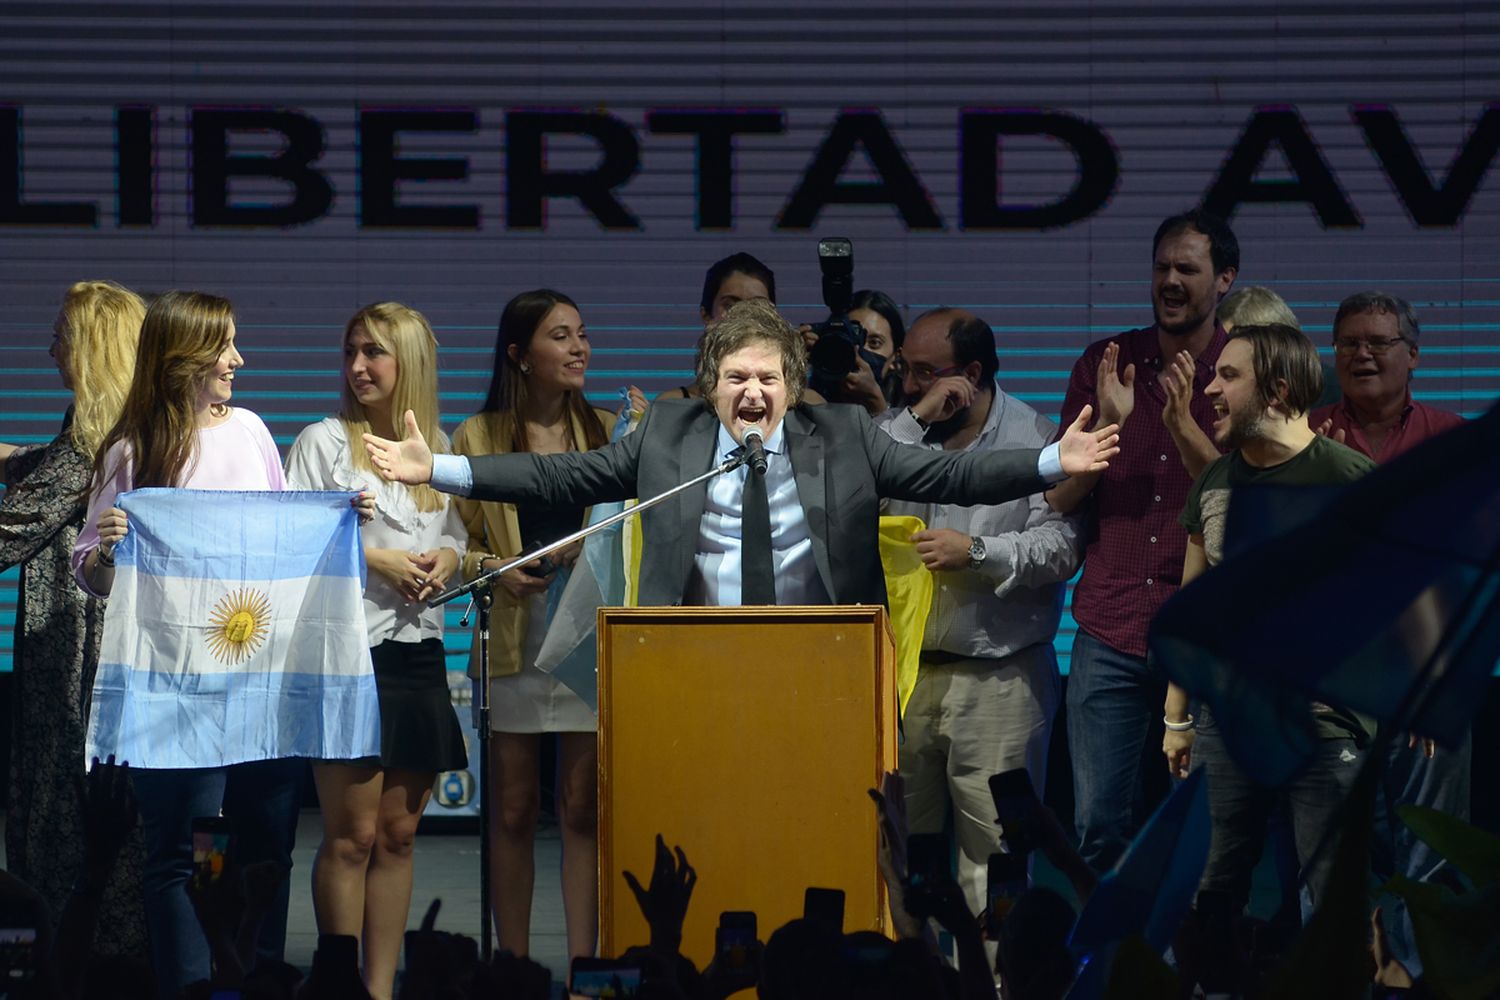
842, 464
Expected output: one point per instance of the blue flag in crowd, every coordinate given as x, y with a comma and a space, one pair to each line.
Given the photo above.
235, 632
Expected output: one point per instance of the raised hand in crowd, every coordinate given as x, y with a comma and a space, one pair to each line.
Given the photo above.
664, 902
512, 977
335, 971
109, 816
438, 964
406, 461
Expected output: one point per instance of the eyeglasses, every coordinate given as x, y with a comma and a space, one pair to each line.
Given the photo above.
1375, 345
925, 374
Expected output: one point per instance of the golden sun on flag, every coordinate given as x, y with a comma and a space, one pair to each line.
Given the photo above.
238, 625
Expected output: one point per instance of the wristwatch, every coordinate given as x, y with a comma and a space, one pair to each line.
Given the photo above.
976, 551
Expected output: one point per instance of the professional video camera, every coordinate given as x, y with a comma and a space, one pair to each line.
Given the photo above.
840, 339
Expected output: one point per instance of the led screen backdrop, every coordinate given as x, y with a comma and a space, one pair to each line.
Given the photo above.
305, 159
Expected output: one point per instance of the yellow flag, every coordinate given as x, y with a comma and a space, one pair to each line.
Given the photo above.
908, 586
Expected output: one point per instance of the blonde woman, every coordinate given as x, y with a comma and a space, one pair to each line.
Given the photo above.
371, 808
57, 625
535, 404
178, 429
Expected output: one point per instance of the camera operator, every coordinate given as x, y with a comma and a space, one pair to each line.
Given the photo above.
847, 361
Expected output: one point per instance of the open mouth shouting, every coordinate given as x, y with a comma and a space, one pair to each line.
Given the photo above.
1172, 300
751, 415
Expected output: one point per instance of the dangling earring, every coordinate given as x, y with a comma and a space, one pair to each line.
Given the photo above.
525, 368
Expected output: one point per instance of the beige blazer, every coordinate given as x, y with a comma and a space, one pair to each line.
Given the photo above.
495, 532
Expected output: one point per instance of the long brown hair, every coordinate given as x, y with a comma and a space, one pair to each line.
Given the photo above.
102, 324
408, 337
519, 322
181, 340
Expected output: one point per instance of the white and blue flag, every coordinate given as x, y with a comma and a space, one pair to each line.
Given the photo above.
235, 632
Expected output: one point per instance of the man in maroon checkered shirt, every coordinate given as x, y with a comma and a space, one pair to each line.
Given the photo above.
1151, 382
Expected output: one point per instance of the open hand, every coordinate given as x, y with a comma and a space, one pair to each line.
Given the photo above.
109, 814
1083, 451
664, 904
1115, 390
1177, 380
406, 461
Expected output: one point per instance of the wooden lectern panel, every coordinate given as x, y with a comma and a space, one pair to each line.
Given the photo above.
749, 737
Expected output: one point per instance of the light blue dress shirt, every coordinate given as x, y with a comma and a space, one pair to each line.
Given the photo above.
715, 580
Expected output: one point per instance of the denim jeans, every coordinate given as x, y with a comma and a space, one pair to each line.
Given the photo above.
1441, 783
261, 799
1114, 701
1240, 811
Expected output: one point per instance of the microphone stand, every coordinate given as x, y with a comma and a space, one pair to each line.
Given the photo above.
479, 593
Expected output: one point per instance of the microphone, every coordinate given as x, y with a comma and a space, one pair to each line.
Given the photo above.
755, 453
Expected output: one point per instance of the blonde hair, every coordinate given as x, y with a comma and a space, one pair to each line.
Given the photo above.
407, 336
182, 337
101, 322
1256, 305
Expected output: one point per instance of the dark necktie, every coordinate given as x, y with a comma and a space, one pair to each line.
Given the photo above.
757, 578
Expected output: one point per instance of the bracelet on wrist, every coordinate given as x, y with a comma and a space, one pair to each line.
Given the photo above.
920, 422
105, 557
1186, 726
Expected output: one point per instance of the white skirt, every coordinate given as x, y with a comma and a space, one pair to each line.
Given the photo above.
536, 702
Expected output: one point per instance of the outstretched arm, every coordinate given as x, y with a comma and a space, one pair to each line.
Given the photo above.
406, 461
1087, 452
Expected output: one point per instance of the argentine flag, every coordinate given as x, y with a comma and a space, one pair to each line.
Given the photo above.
235, 632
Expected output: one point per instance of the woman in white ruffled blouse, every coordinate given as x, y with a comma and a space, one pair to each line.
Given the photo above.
362, 875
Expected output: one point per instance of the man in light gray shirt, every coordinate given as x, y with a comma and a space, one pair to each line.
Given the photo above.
988, 686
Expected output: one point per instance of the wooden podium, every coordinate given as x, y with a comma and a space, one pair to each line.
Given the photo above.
749, 737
